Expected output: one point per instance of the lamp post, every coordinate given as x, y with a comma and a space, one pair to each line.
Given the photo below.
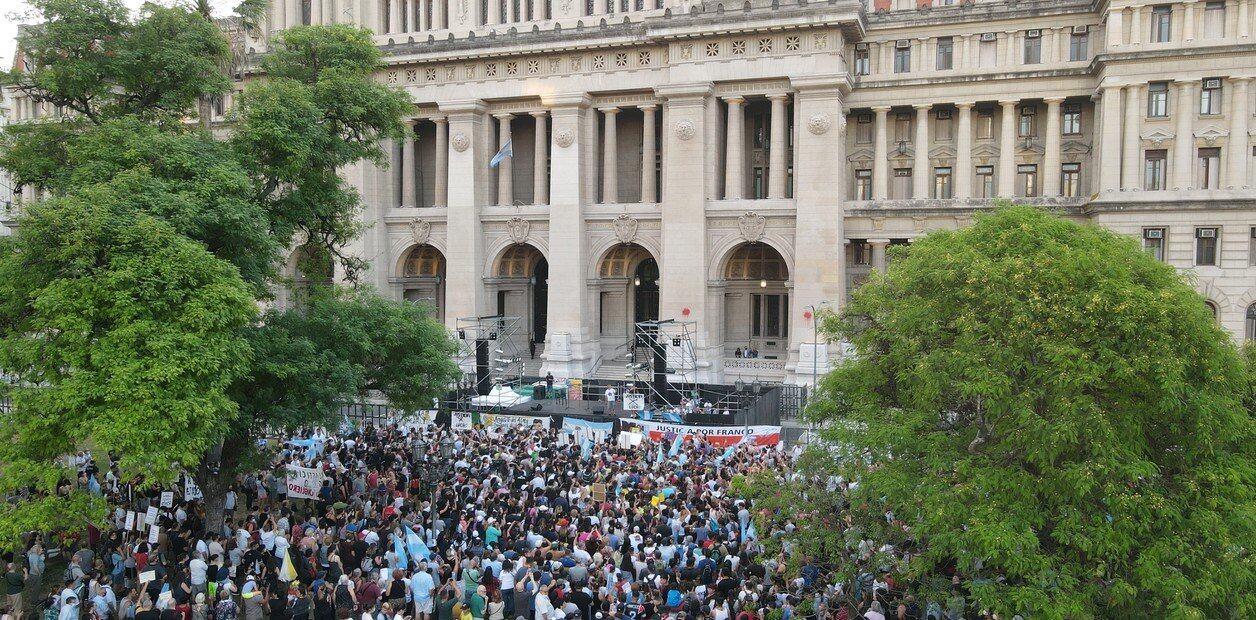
436, 472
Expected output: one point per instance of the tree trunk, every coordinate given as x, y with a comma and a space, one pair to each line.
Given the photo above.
216, 481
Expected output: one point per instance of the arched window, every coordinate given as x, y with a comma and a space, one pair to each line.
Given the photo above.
1251, 322
619, 262
517, 262
756, 261
423, 261
1213, 308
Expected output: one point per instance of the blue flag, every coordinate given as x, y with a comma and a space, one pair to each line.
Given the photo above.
680, 440
400, 550
586, 449
416, 546
507, 150
727, 453
659, 459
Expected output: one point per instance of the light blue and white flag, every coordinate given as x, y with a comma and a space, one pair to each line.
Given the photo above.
676, 444
507, 150
416, 546
400, 551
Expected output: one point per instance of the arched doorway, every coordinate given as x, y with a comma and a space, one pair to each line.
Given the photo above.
628, 293
756, 302
521, 284
422, 278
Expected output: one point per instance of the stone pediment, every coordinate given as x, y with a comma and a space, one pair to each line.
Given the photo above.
985, 150
1075, 146
939, 152
1157, 136
861, 154
1210, 134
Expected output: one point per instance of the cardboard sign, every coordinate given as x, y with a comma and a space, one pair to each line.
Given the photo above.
130, 520
191, 492
304, 482
599, 492
167, 499
634, 402
154, 535
150, 517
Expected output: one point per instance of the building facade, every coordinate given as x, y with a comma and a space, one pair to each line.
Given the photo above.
738, 166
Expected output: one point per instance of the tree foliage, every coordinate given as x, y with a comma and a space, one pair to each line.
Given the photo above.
1043, 411
128, 299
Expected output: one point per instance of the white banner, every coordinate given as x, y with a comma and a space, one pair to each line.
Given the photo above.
721, 436
304, 482
634, 402
190, 490
462, 420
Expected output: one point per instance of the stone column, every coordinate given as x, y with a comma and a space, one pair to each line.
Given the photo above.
538, 7
878, 253
1239, 151
735, 151
610, 156
1007, 150
777, 148
571, 344
964, 151
714, 126
818, 271
1245, 24
394, 16
1130, 147
1051, 158
408, 196
441, 173
1137, 32
1188, 22
880, 161
1182, 166
424, 24
505, 173
920, 161
438, 15
469, 188
371, 18
1110, 138
649, 191
292, 14
1114, 27
494, 12
684, 264
540, 163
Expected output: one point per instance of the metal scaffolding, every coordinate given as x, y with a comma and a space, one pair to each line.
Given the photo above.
489, 351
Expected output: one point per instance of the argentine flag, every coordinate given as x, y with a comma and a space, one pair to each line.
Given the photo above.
416, 546
400, 551
507, 150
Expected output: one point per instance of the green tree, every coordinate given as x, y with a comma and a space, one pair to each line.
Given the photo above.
133, 182
1047, 412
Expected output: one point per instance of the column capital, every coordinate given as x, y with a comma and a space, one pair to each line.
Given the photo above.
1238, 79
648, 107
881, 109
609, 110
539, 113
566, 100
778, 97
966, 105
503, 116
734, 99
464, 106
697, 90
1054, 100
1008, 103
411, 122
878, 241
922, 106
440, 120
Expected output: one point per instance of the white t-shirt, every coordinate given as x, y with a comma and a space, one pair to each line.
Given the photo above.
196, 571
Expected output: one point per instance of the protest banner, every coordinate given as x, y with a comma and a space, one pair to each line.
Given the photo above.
634, 401
719, 436
304, 482
167, 499
463, 420
150, 517
191, 492
154, 535
596, 431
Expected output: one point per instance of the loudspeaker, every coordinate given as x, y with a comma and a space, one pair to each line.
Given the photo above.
483, 384
660, 371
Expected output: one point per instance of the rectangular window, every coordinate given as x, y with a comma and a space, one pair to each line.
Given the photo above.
902, 56
989, 51
1251, 248
1214, 20
860, 252
942, 126
863, 129
1072, 122
1079, 46
1154, 169
863, 60
985, 124
946, 53
985, 181
1027, 180
1153, 242
1157, 99
1027, 127
1071, 179
1161, 23
1210, 96
1033, 47
863, 184
1206, 246
902, 127
942, 183
759, 185
1209, 168
902, 183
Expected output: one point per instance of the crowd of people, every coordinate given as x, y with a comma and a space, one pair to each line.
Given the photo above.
521, 523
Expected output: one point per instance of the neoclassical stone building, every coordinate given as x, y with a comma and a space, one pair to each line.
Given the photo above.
738, 165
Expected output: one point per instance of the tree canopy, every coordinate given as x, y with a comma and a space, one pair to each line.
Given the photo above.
129, 297
1040, 416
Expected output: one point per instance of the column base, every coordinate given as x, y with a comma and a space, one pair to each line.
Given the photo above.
810, 361
567, 357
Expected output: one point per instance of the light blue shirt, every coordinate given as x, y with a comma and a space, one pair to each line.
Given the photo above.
421, 585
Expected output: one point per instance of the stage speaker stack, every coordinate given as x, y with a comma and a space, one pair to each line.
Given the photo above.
660, 370
483, 382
